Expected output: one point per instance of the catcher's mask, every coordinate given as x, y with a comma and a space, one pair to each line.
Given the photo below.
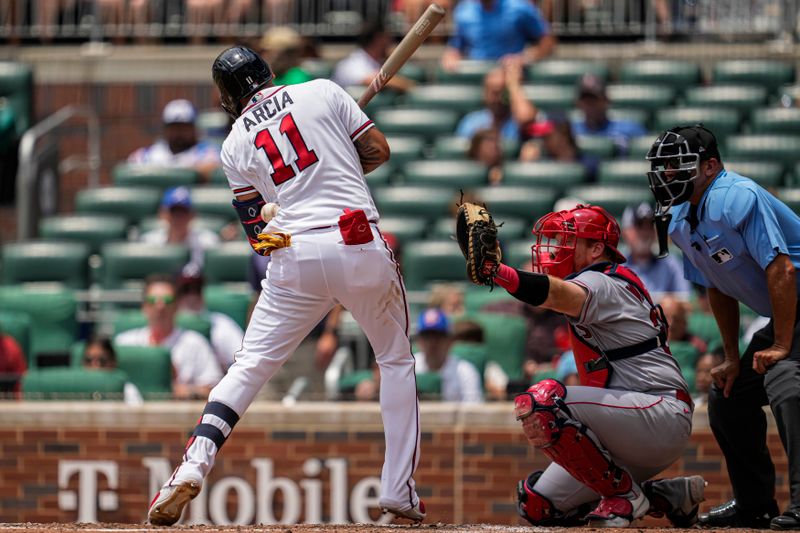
557, 235
239, 73
675, 159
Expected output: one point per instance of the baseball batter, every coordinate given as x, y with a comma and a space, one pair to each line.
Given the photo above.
632, 414
306, 148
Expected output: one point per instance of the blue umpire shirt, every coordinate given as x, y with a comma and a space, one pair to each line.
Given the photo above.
741, 229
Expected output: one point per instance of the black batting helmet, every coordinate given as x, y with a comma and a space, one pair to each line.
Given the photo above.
239, 72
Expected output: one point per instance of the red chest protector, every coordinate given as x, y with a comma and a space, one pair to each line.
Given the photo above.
593, 365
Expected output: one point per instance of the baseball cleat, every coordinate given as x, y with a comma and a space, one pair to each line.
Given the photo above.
678, 498
167, 506
620, 510
416, 513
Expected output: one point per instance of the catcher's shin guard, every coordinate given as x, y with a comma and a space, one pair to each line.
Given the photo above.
539, 510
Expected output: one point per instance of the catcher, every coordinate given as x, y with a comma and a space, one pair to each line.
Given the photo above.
631, 416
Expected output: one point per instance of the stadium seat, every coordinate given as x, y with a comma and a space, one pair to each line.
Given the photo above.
624, 172
147, 367
768, 74
348, 382
125, 175
639, 116
639, 96
454, 173
404, 229
551, 97
765, 173
544, 173
429, 384
403, 149
16, 87
613, 198
218, 177
504, 337
381, 100
208, 222
473, 352
454, 147
426, 123
18, 325
661, 72
409, 200
512, 227
640, 146
791, 197
213, 124
686, 355
598, 146
380, 176
93, 230
73, 384
317, 68
565, 71
132, 319
468, 72
477, 297
133, 203
227, 261
52, 311
704, 326
459, 98
214, 201
517, 253
775, 120
431, 261
414, 71
743, 98
527, 203
779, 148
232, 300
48, 261
134, 261
721, 121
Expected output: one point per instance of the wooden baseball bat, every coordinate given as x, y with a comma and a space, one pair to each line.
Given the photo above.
418, 33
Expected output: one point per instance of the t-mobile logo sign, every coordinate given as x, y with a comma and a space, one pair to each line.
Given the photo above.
87, 499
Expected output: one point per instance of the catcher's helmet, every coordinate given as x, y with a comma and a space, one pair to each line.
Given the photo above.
239, 72
558, 233
674, 161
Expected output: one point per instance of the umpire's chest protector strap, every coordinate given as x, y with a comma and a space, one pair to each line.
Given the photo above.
249, 213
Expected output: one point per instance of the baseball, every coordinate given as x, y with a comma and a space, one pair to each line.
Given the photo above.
269, 211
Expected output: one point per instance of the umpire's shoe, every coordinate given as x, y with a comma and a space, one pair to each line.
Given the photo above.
729, 514
790, 519
167, 506
416, 513
678, 498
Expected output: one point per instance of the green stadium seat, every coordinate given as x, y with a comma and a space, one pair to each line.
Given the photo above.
768, 74
73, 384
661, 72
476, 298
317, 68
214, 201
230, 299
704, 325
613, 198
789, 95
473, 352
454, 173
640, 96
18, 325
147, 367
348, 382
512, 227
414, 71
765, 173
505, 337
517, 253
409, 200
527, 203
128, 262
638, 116
775, 120
218, 177
598, 146
426, 123
228, 261
459, 98
565, 71
52, 311
721, 121
741, 97
403, 150
544, 173
48, 261
431, 261
16, 86
133, 203
779, 148
468, 71
382, 100
92, 230
125, 175
624, 172
429, 384
641, 145
551, 97
791, 197
685, 354
213, 124
132, 319
207, 222
404, 229
455, 147
380, 176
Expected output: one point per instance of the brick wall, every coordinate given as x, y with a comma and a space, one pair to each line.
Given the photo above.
63, 461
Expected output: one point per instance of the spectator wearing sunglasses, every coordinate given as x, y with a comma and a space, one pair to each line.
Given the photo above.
99, 354
194, 365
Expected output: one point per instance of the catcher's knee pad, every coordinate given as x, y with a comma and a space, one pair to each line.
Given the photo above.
539, 510
542, 411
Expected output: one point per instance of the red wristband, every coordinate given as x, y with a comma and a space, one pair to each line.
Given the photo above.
507, 278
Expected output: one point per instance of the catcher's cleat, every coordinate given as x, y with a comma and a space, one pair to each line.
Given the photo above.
167, 506
620, 510
416, 513
677, 498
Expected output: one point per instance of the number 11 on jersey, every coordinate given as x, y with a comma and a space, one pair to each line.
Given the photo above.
282, 172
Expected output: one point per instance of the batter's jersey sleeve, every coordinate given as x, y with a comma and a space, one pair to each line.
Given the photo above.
238, 180
353, 117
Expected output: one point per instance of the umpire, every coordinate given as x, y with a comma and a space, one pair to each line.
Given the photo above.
743, 244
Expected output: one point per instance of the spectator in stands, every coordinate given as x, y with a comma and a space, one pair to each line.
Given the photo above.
460, 380
547, 331
506, 110
99, 354
551, 139
496, 29
368, 390
195, 366
567, 369
180, 146
12, 366
702, 374
226, 334
176, 214
677, 314
360, 67
660, 276
281, 47
485, 148
593, 103
413, 9
449, 298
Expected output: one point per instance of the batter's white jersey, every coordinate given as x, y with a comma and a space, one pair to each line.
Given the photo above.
294, 145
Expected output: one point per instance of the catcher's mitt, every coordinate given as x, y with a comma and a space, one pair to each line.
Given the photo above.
476, 233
